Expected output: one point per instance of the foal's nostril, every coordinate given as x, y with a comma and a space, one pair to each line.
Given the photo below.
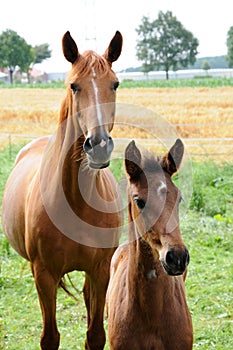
186, 257
170, 257
177, 259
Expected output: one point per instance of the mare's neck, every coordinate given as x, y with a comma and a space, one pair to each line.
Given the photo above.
66, 163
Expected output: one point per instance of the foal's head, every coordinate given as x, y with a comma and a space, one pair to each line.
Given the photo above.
153, 204
92, 93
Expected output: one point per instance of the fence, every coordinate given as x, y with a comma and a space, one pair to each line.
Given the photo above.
201, 148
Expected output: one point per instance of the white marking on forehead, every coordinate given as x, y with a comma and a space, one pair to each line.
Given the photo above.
162, 187
95, 88
93, 72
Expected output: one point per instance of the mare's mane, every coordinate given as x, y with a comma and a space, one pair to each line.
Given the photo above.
87, 62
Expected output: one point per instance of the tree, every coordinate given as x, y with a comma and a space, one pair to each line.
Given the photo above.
165, 43
230, 47
205, 66
28, 58
144, 50
14, 51
41, 53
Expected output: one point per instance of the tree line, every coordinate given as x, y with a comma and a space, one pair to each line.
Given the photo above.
163, 43
15, 52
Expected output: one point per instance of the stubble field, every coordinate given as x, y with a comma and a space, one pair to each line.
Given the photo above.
178, 105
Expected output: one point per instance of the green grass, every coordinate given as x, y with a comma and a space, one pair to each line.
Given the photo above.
178, 83
206, 81
207, 230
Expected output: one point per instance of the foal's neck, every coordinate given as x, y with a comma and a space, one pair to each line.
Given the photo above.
143, 264
146, 275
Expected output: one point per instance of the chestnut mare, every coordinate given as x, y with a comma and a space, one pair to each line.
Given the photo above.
61, 207
146, 302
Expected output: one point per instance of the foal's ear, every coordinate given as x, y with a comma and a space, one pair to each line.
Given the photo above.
69, 48
172, 160
132, 161
114, 49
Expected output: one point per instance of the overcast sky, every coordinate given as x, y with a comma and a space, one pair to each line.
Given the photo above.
92, 23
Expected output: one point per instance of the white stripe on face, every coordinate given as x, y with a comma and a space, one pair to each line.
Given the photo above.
95, 88
162, 188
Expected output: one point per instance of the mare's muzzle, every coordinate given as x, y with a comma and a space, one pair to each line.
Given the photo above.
98, 149
176, 261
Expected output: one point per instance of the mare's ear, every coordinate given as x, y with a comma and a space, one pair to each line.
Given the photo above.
172, 160
114, 49
132, 161
69, 48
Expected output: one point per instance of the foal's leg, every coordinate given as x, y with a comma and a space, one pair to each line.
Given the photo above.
47, 290
97, 289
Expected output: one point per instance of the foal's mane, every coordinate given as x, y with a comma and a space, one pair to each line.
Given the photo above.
150, 162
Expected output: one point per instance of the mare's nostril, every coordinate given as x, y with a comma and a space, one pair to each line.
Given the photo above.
87, 146
110, 144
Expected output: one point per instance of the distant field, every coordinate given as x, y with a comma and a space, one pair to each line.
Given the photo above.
195, 113
176, 105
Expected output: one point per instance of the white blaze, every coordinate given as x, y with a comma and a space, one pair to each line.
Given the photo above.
98, 109
162, 187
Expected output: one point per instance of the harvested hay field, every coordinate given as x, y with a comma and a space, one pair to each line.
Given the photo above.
203, 117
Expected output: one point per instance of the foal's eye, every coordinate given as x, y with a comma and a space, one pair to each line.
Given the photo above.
139, 202
115, 85
74, 87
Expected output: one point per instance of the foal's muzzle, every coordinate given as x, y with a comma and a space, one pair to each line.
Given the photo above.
98, 149
176, 261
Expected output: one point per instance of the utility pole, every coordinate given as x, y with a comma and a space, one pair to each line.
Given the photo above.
90, 24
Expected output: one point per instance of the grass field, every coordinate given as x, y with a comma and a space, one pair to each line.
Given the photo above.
207, 227
207, 231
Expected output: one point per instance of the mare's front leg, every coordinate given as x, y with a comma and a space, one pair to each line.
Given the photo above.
47, 290
95, 294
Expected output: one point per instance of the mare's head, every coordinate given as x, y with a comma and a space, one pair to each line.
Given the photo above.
91, 97
153, 204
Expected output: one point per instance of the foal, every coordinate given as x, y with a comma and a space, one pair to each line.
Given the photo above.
146, 300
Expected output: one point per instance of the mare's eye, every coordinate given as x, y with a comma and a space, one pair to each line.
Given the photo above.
115, 85
139, 202
74, 87
180, 199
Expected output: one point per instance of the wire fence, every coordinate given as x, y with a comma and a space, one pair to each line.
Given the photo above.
199, 148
